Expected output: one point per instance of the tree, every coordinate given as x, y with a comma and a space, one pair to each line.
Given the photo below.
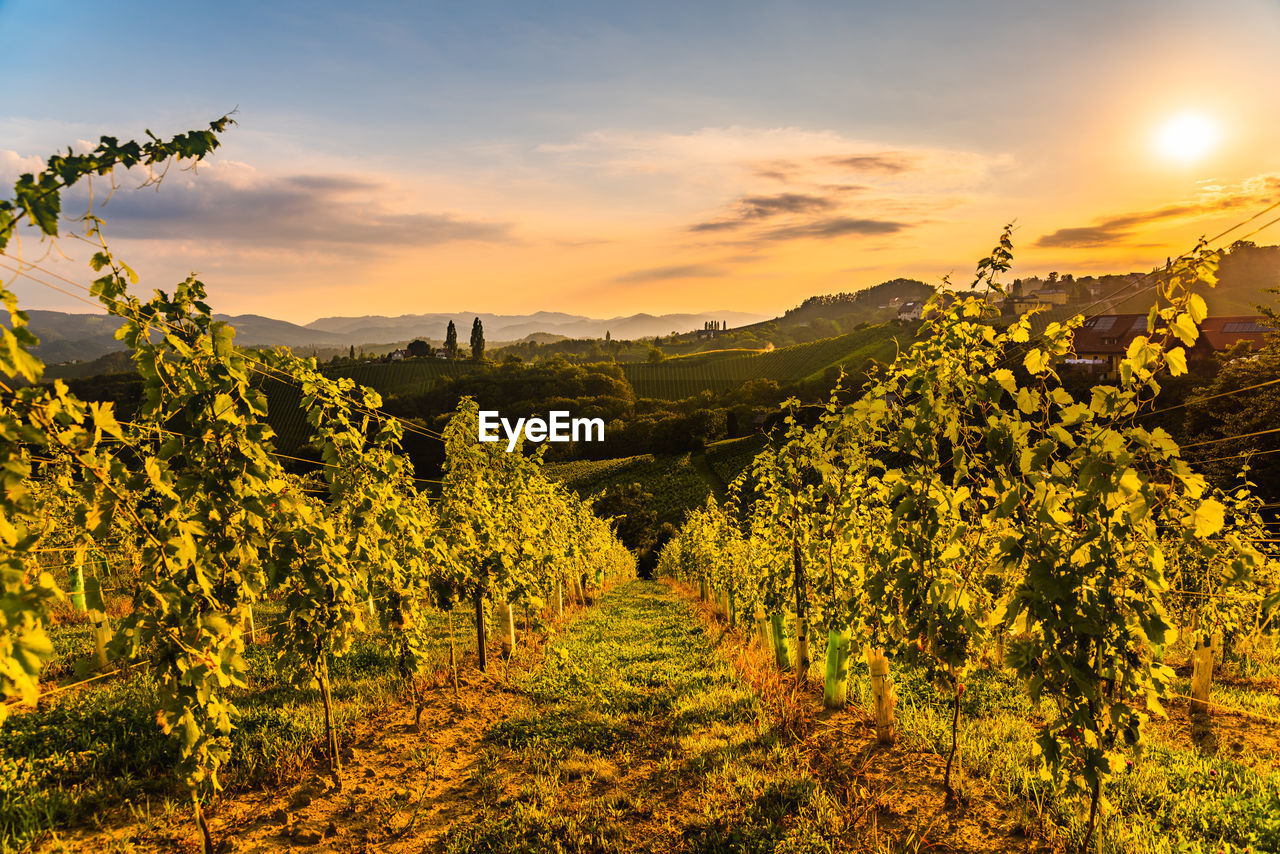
451, 340
418, 348
351, 351
477, 340
607, 336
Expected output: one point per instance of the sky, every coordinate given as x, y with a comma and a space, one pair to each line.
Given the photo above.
614, 158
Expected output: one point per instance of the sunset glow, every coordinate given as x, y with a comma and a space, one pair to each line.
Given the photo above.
1187, 138
592, 159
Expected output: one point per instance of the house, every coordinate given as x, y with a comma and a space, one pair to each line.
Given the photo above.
1103, 340
913, 310
1017, 305
1052, 295
1223, 333
440, 353
398, 355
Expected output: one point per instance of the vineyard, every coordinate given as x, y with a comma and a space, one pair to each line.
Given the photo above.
218, 588
720, 371
960, 610
968, 518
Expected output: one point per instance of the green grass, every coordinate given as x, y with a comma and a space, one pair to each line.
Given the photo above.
641, 737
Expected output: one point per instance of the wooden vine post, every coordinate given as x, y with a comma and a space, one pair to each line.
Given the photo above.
802, 619
762, 630
507, 625
881, 695
480, 638
1201, 675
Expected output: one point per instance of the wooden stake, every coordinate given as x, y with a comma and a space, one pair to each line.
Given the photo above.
882, 695
330, 731
1201, 676
480, 639
453, 658
802, 618
762, 631
507, 625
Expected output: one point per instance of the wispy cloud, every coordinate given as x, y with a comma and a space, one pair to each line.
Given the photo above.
1120, 228
677, 271
891, 163
834, 227
756, 208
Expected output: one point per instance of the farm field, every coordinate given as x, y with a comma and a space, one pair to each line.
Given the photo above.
646, 723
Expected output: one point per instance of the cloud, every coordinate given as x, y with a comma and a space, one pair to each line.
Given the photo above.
678, 271
234, 203
1120, 228
834, 227
13, 164
755, 208
890, 163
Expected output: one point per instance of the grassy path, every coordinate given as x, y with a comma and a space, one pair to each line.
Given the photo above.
703, 467
639, 737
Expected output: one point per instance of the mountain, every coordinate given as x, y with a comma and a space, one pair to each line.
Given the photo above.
68, 337
511, 327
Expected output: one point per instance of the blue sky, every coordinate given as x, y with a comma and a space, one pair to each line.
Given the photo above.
398, 158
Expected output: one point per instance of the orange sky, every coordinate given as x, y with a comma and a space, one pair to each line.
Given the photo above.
619, 168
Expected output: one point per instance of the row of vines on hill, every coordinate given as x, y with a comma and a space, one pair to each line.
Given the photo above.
194, 492
959, 503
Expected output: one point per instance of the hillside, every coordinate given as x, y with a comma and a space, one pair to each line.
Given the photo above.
722, 370
673, 481
513, 327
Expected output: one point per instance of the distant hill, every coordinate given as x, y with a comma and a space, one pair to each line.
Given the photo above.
70, 337
66, 336
512, 327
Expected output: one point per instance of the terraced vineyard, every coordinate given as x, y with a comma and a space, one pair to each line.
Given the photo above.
674, 482
724, 370
401, 379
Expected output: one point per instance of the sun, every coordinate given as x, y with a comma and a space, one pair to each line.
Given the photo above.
1187, 137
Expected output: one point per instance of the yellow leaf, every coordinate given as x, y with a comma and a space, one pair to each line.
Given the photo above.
1207, 520
1197, 308
1036, 362
1185, 329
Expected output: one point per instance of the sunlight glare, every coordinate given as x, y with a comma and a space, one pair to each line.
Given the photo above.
1186, 137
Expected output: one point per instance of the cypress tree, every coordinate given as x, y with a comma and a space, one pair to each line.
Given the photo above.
451, 341
477, 340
